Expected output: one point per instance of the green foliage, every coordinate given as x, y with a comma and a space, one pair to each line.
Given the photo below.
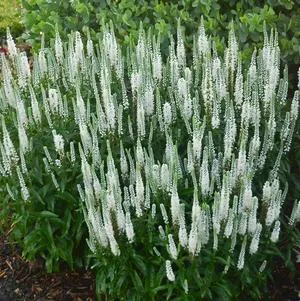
51, 225
10, 16
139, 274
248, 17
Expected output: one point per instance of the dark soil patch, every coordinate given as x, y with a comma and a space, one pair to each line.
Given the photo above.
25, 281
286, 284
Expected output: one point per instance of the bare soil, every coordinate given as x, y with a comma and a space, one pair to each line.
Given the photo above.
25, 281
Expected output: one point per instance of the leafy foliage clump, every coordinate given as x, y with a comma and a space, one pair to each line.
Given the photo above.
248, 16
10, 16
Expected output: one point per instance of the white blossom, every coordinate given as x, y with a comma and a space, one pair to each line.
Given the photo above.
165, 177
58, 48
164, 213
255, 239
12, 49
175, 205
295, 214
263, 266
241, 259
169, 271
24, 190
172, 247
129, 228
58, 142
275, 232
162, 233
167, 113
182, 234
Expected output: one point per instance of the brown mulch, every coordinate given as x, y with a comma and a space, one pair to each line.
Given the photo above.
22, 280
286, 285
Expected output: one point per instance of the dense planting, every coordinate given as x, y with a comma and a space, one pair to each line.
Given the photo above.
168, 168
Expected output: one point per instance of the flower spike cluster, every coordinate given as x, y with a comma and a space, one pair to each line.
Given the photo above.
181, 141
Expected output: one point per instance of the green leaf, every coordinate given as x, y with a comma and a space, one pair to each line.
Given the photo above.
49, 264
67, 222
137, 282
47, 214
139, 263
160, 288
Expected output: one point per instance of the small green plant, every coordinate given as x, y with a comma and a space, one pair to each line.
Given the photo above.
168, 168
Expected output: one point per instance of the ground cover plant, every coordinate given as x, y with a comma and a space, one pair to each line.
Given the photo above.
168, 168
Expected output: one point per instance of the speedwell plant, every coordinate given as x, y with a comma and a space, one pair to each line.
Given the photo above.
173, 165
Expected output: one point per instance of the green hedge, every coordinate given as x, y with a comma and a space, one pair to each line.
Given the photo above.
248, 17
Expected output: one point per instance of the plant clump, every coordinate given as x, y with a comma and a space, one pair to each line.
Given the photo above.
176, 160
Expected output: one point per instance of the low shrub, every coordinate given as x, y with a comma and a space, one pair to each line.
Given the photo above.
10, 16
248, 17
171, 166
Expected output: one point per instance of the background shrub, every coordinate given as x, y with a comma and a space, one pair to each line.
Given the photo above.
10, 16
248, 17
